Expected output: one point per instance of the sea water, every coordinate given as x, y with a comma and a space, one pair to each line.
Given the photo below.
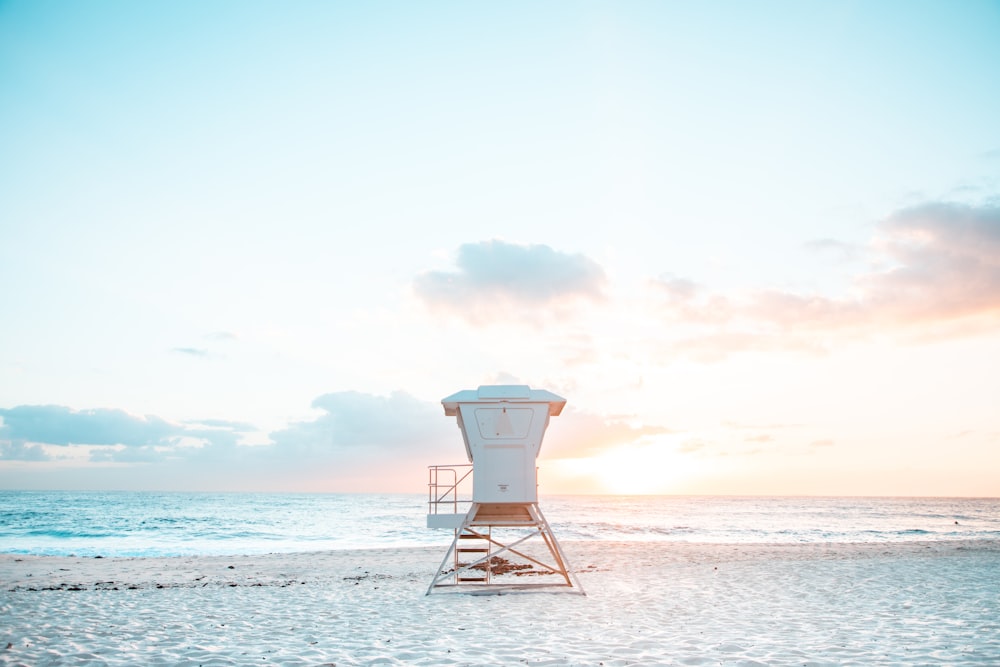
172, 524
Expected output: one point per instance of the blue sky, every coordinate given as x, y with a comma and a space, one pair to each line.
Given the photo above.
250, 246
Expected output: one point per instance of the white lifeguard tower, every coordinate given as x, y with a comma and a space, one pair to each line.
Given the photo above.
492, 549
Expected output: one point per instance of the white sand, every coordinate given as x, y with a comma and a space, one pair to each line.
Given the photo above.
647, 604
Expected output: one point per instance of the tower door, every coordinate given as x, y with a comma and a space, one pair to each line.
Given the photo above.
504, 474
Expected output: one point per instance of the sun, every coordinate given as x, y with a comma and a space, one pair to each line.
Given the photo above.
634, 469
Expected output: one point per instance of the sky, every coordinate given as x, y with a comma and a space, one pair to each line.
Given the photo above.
252, 245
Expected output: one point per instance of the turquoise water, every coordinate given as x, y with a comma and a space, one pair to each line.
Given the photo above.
169, 524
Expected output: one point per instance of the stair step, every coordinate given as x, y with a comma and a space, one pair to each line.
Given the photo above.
471, 579
472, 550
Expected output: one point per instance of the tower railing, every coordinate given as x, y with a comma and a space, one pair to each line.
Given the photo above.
445, 487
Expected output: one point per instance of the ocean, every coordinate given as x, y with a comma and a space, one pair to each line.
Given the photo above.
174, 524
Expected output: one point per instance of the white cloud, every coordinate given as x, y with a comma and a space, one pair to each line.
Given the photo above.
191, 351
59, 425
22, 451
355, 434
357, 441
842, 252
371, 426
499, 280
116, 434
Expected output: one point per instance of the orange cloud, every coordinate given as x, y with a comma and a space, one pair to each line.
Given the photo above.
937, 275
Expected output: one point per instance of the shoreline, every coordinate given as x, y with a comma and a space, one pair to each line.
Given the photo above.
647, 603
21, 572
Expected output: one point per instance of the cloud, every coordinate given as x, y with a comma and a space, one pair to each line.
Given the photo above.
356, 441
946, 264
223, 337
128, 455
936, 274
741, 426
496, 279
110, 435
688, 302
366, 425
939, 262
59, 425
191, 351
362, 427
22, 451
677, 289
691, 446
842, 252
577, 434
243, 427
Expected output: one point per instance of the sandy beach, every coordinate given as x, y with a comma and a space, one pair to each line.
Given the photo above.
646, 604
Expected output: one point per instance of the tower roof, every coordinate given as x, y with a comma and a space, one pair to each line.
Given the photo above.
503, 393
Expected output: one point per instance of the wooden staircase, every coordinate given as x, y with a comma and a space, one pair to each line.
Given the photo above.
471, 548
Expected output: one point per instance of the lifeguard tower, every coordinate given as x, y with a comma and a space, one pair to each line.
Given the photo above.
494, 528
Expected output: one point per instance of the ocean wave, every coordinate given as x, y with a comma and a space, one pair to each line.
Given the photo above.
130, 524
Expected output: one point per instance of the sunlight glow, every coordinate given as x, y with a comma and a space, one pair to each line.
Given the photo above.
639, 469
